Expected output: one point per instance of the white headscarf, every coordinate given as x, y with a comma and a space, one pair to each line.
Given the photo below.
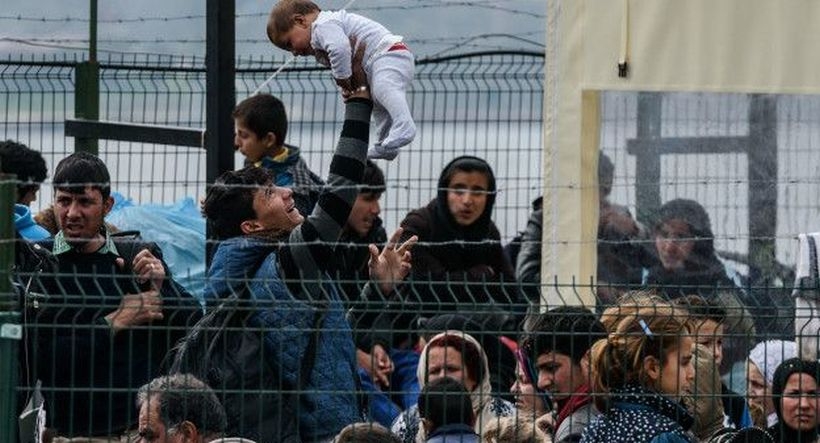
767, 356
480, 397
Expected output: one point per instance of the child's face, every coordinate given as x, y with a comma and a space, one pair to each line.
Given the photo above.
710, 333
678, 372
296, 40
253, 147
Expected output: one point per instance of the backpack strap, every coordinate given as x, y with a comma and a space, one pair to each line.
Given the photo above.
309, 358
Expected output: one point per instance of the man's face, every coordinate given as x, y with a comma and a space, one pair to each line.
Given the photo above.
365, 210
558, 375
275, 209
151, 427
251, 145
467, 196
81, 216
674, 244
710, 333
446, 362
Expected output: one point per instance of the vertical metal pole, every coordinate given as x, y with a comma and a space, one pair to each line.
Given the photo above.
219, 85
762, 156
87, 86
92, 31
648, 165
10, 331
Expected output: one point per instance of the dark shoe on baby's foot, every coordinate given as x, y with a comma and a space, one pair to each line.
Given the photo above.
377, 152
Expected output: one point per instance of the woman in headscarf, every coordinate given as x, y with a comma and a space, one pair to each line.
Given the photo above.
763, 360
459, 356
685, 248
796, 401
459, 259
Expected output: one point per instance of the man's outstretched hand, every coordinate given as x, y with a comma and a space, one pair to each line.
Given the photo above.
392, 264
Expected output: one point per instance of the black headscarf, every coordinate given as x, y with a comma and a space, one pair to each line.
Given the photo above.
702, 268
781, 431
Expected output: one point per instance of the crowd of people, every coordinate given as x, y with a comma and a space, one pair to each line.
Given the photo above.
316, 325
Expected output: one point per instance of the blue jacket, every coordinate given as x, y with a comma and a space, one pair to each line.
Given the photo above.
638, 415
329, 401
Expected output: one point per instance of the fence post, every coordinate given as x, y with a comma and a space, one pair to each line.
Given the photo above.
87, 85
87, 101
762, 187
648, 166
10, 331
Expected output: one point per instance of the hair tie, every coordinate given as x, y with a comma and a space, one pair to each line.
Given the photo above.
645, 327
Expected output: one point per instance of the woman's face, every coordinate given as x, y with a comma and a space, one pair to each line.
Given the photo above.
467, 196
799, 404
674, 243
758, 392
446, 361
678, 372
524, 392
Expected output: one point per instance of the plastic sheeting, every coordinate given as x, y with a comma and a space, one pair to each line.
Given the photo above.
178, 229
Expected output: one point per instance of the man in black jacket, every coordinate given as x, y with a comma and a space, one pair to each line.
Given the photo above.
111, 310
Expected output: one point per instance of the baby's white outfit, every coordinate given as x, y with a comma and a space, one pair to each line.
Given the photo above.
389, 65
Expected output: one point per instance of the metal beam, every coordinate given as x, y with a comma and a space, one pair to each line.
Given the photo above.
762, 188
134, 132
687, 145
220, 67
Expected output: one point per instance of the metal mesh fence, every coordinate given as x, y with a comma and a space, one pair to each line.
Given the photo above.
747, 160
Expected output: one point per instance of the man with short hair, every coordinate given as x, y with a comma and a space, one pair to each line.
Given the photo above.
30, 170
561, 340
112, 310
180, 408
27, 164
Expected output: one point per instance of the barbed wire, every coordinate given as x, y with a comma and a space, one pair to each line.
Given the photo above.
160, 40
147, 19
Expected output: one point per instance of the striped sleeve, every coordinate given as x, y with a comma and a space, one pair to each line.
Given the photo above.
309, 249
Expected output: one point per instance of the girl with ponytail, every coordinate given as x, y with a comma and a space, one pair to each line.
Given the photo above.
641, 372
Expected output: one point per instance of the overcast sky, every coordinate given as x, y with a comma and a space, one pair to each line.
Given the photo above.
431, 27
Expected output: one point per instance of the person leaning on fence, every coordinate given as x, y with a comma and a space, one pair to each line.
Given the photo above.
260, 127
640, 373
457, 355
30, 171
302, 28
180, 408
111, 310
561, 342
459, 263
288, 258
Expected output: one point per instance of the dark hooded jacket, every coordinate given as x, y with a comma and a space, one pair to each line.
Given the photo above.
703, 272
453, 264
781, 431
